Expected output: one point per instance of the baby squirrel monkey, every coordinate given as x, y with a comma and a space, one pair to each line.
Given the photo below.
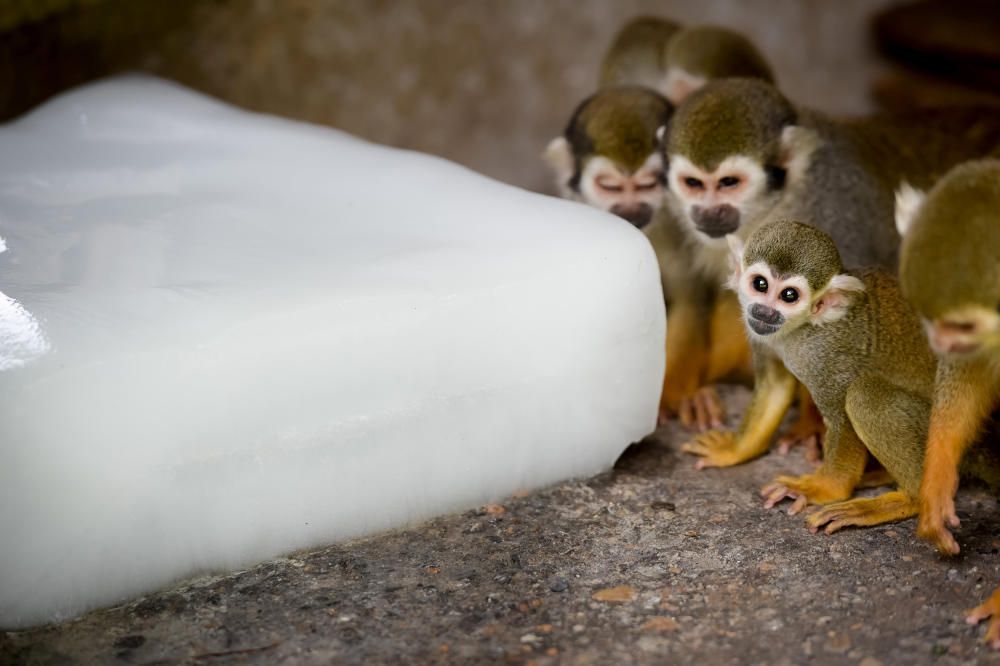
609, 157
858, 346
676, 61
950, 271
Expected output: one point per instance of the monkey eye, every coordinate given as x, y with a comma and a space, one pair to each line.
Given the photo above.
694, 183
760, 284
789, 295
729, 181
647, 185
609, 186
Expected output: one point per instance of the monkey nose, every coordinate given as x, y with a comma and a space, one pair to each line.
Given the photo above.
716, 221
765, 314
638, 214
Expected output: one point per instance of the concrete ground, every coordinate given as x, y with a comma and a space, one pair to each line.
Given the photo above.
654, 562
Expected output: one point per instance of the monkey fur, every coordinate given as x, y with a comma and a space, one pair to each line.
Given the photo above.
740, 154
858, 346
676, 61
950, 271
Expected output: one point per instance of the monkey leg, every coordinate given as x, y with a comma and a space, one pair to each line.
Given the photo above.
684, 392
988, 609
892, 423
729, 350
960, 405
843, 466
886, 508
773, 391
808, 430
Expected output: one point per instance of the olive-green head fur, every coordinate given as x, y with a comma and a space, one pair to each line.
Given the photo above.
619, 123
950, 256
794, 248
730, 117
712, 52
638, 53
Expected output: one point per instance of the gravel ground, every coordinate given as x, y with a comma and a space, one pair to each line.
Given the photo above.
653, 562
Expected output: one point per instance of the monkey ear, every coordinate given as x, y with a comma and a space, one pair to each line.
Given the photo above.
833, 302
661, 132
908, 202
797, 146
559, 156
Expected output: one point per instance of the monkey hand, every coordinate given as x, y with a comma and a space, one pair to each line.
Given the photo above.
931, 525
805, 432
806, 489
699, 411
988, 609
717, 448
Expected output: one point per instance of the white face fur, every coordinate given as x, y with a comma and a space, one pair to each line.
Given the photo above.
635, 196
719, 202
774, 305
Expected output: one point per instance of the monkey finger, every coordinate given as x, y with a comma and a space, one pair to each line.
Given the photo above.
700, 413
686, 413
797, 506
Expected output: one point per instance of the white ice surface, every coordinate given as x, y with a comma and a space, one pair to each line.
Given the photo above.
225, 336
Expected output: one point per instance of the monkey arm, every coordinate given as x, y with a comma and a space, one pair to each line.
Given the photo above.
774, 389
961, 403
687, 348
729, 350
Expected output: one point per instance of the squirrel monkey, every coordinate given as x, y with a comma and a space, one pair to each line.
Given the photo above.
676, 61
739, 154
858, 346
609, 158
950, 271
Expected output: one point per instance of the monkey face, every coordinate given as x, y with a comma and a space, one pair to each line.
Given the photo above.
721, 201
964, 331
634, 196
772, 302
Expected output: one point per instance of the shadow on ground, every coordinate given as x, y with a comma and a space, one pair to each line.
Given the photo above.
653, 562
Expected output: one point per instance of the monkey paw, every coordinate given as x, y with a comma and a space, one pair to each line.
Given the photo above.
806, 489
717, 448
988, 609
806, 433
934, 513
886, 508
702, 411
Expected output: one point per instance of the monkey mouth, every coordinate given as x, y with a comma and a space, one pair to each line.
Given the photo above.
717, 221
762, 328
639, 216
956, 348
717, 229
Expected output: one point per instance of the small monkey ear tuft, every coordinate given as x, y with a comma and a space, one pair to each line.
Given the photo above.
908, 202
735, 261
736, 247
661, 131
797, 146
559, 156
832, 304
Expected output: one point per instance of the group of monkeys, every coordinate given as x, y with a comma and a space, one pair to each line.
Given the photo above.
755, 206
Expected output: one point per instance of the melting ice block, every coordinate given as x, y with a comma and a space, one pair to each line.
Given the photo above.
226, 336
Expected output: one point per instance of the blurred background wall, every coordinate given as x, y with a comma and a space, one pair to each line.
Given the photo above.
483, 82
